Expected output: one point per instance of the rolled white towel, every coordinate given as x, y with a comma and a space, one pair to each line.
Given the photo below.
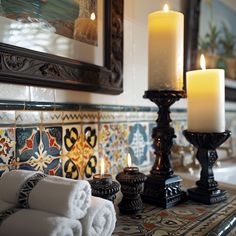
100, 219
30, 222
61, 196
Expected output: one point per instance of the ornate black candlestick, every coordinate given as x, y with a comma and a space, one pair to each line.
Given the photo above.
162, 187
207, 190
131, 181
103, 186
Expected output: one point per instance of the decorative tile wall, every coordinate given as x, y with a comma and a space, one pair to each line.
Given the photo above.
71, 143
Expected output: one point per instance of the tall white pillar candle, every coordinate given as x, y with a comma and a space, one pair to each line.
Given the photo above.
206, 100
165, 50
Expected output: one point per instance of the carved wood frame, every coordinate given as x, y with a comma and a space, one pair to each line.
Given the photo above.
192, 26
24, 66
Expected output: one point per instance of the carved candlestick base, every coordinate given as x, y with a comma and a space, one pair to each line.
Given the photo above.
162, 187
207, 190
131, 181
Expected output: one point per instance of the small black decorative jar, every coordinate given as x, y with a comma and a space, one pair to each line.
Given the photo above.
103, 187
132, 183
207, 190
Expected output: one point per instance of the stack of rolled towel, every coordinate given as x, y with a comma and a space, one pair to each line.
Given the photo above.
34, 204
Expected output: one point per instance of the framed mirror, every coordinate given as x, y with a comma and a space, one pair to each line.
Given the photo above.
211, 30
73, 44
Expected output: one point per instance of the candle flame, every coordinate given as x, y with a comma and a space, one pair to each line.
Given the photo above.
93, 16
129, 160
166, 8
102, 166
203, 62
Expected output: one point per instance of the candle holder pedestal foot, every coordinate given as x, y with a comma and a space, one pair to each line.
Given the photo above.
162, 187
207, 190
164, 192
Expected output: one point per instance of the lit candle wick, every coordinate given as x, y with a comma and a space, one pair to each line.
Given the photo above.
166, 8
93, 16
102, 167
203, 62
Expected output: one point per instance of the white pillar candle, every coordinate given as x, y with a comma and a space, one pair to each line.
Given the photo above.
206, 100
165, 50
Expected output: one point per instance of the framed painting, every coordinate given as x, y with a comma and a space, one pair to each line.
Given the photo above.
211, 31
69, 44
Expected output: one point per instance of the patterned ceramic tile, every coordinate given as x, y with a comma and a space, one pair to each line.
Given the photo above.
79, 159
113, 145
41, 154
106, 116
28, 117
7, 149
50, 160
80, 116
188, 218
71, 117
138, 141
7, 117
52, 117
27, 147
89, 116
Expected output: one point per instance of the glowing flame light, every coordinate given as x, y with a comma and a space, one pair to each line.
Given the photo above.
93, 16
102, 167
166, 8
203, 62
129, 160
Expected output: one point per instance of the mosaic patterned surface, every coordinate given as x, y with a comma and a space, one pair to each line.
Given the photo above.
50, 150
187, 219
39, 151
76, 141
113, 144
27, 147
80, 144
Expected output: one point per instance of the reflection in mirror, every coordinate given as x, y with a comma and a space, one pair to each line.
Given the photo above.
212, 32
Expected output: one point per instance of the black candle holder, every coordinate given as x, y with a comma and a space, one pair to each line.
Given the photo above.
162, 188
131, 181
103, 187
207, 190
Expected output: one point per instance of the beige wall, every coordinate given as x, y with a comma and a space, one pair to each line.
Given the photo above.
135, 64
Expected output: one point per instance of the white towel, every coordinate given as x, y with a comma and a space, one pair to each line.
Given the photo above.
30, 222
100, 219
61, 196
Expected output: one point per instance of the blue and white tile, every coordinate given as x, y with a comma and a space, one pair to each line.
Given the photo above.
51, 153
27, 147
138, 140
